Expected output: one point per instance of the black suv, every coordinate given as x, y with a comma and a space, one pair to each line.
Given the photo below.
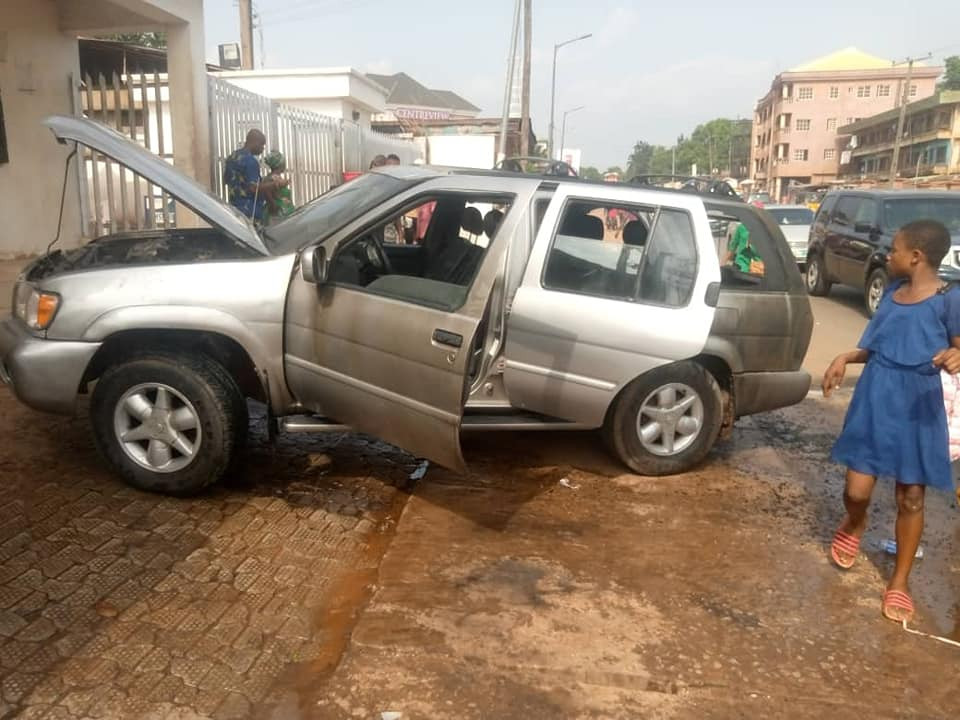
853, 232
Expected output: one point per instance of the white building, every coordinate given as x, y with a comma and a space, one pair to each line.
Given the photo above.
339, 92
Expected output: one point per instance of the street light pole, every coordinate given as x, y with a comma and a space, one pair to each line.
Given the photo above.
553, 87
563, 125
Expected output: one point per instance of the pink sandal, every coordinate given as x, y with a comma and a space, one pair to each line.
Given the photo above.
847, 544
899, 600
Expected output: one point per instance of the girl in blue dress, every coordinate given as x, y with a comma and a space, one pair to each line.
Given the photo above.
896, 425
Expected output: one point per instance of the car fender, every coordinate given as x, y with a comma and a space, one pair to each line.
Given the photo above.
261, 341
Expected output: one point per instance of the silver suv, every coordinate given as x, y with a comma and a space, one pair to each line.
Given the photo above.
411, 304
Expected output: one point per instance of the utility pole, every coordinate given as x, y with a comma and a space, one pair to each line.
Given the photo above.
904, 101
508, 90
246, 34
525, 92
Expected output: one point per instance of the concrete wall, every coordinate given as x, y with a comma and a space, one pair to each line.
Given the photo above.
34, 83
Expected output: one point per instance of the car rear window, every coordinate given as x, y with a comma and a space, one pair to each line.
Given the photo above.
792, 216
898, 213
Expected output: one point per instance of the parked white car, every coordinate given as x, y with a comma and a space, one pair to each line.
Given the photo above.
794, 222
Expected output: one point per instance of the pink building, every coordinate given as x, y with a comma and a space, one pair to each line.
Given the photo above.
795, 138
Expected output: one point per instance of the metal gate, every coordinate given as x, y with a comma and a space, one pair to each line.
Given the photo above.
112, 197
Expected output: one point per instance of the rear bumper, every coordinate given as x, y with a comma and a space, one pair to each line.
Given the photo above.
44, 374
762, 391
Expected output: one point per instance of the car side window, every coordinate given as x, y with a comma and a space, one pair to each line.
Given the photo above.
670, 267
823, 212
623, 252
846, 211
450, 234
866, 212
588, 254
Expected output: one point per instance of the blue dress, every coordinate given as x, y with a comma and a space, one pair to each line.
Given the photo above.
896, 425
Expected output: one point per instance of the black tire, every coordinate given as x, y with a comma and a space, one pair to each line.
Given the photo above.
193, 383
814, 277
874, 289
621, 430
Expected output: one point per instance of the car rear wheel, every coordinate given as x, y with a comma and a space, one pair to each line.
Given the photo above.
168, 423
665, 422
817, 283
873, 292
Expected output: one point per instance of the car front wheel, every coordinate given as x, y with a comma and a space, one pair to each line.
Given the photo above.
817, 283
168, 423
666, 421
873, 292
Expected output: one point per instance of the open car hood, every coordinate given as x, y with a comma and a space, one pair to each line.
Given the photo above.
154, 169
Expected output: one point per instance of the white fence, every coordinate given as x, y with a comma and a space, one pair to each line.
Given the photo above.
114, 198
318, 149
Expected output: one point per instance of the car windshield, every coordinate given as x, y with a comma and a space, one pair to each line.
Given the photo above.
331, 211
946, 210
791, 216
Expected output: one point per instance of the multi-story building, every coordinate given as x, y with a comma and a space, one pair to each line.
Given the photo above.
929, 145
796, 138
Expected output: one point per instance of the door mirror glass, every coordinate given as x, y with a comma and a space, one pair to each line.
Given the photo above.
313, 265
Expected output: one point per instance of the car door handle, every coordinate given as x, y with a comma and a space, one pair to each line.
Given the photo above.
445, 337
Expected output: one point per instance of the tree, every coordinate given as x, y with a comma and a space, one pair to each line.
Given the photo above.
720, 144
147, 39
615, 169
588, 172
951, 74
639, 161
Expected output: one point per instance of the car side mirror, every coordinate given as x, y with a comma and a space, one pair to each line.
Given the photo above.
866, 228
313, 265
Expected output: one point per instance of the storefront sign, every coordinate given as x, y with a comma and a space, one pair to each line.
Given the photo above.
421, 114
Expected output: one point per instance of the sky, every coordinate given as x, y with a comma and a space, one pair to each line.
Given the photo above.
651, 71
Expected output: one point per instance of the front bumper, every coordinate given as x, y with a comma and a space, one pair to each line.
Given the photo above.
761, 391
44, 374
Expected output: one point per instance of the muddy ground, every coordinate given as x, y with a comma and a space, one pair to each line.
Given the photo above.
321, 582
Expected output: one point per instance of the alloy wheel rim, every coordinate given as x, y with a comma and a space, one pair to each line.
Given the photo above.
157, 427
670, 419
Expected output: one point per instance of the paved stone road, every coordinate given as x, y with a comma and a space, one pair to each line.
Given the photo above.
115, 603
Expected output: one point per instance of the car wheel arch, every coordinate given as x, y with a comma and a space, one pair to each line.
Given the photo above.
718, 367
226, 351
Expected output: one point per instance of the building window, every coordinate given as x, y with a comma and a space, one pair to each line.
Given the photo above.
805, 93
883, 91
803, 124
800, 154
863, 91
832, 124
913, 91
829, 154
834, 92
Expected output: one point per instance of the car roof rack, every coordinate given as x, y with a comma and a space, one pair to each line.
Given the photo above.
544, 166
688, 183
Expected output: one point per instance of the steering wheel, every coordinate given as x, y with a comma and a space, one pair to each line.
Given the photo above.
374, 255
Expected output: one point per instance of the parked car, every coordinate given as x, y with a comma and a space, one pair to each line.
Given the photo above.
760, 199
794, 222
526, 319
853, 231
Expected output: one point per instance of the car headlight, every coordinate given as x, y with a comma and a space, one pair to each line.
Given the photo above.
34, 307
